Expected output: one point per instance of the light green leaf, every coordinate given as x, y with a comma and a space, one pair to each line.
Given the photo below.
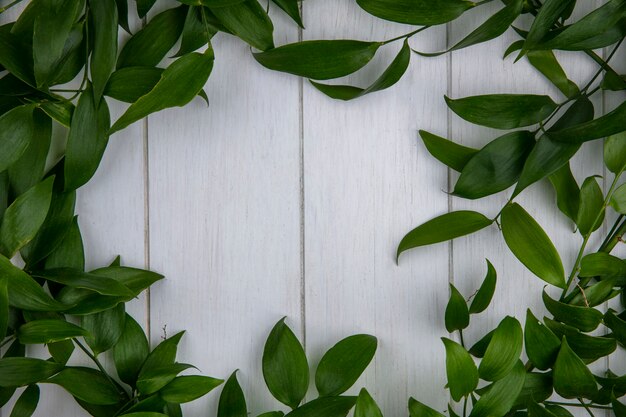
618, 200
485, 292
530, 244
248, 21
446, 151
183, 389
416, 12
501, 395
105, 328
104, 55
457, 313
17, 372
48, 331
503, 351
542, 346
26, 405
87, 384
603, 265
615, 152
366, 406
232, 401
572, 378
460, 370
325, 406
285, 367
16, 131
344, 363
130, 351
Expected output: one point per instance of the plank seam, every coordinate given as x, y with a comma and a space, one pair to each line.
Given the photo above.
146, 218
301, 196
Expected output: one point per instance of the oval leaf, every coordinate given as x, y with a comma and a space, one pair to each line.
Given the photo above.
232, 401
457, 313
248, 21
572, 378
416, 12
130, 351
460, 369
325, 406
584, 318
503, 351
446, 151
501, 395
590, 208
105, 328
188, 388
542, 346
485, 292
615, 152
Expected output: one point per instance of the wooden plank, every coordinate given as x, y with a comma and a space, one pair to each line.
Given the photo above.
225, 218
368, 181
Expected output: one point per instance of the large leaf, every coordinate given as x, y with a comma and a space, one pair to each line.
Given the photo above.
457, 313
485, 293
325, 406
501, 395
87, 384
460, 370
542, 346
13, 56
319, 60
588, 348
537, 387
285, 366
249, 21
607, 125
188, 388
416, 12
24, 217
152, 379
232, 401
130, 351
572, 378
584, 318
17, 372
105, 328
197, 32
104, 55
178, 85
446, 151
131, 83
503, 351
548, 15
48, 331
342, 365
26, 405
445, 227
530, 244
16, 131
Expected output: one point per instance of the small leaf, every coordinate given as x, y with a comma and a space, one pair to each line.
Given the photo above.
178, 85
344, 363
588, 348
417, 409
503, 111
567, 191
615, 152
446, 151
416, 12
319, 60
285, 367
546, 63
248, 21
445, 227
144, 6
618, 200
325, 406
591, 207
501, 395
607, 125
542, 346
292, 9
572, 378
104, 55
17, 372
26, 405
460, 370
61, 351
232, 401
152, 379
188, 388
105, 328
48, 331
537, 388
366, 406
503, 351
196, 32
530, 244
162, 355
479, 348
485, 292
548, 15
131, 83
457, 314
87, 384
392, 75
16, 130
130, 351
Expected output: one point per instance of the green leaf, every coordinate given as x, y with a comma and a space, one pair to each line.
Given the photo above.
618, 200
416, 12
530, 244
26, 405
479, 348
542, 346
595, 294
135, 279
292, 9
319, 60
548, 155
546, 63
70, 253
163, 354
16, 130
248, 21
150, 45
188, 388
178, 85
153, 378
548, 15
61, 112
285, 368
572, 378
618, 408
442, 228
104, 55
24, 292
537, 388
535, 410
607, 125
567, 191
325, 406
196, 32
17, 372
130, 351
144, 6
612, 81
105, 328
87, 140
588, 348
495, 167
343, 364
61, 351
485, 292
617, 325
457, 314
232, 401
131, 83
4, 307
603, 265
615, 152
48, 331
14, 58
122, 13
28, 170
446, 151
590, 208
78, 279
503, 351
392, 75
366, 406
503, 111
87, 384
460, 370
417, 409
501, 395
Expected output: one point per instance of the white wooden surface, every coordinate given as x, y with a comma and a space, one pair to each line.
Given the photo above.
276, 201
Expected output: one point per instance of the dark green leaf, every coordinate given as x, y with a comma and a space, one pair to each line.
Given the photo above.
48, 331
88, 385
70, 253
130, 83
325, 406
26, 405
196, 32
144, 6
479, 348
17, 372
501, 395
460, 369
542, 346
446, 151
153, 378
342, 365
16, 130
537, 387
148, 46
588, 348
104, 55
130, 351
232, 401
591, 207
530, 244
445, 227
607, 125
615, 152
417, 409
595, 294
78, 279
319, 60
248, 21
567, 191
105, 328
535, 410
546, 63
134, 278
612, 81
618, 408
285, 368
503, 351
416, 12
485, 292
601, 264
618, 200
74, 56
61, 351
392, 75
15, 56
178, 85
366, 406
164, 354
4, 307
495, 167
292, 9
617, 325
548, 15
457, 313
188, 388
572, 378
60, 111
